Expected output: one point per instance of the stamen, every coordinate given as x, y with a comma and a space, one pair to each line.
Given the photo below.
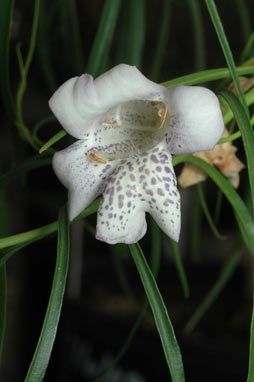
153, 103
110, 123
163, 113
94, 156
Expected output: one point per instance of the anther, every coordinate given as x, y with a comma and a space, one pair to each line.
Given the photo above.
163, 113
153, 103
97, 158
110, 123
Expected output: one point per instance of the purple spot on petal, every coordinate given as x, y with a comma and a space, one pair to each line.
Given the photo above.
167, 169
154, 159
120, 201
160, 192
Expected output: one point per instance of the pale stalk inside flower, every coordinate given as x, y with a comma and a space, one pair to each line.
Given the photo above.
146, 117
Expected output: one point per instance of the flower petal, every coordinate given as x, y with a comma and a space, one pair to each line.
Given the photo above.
146, 183
83, 177
191, 175
80, 103
196, 119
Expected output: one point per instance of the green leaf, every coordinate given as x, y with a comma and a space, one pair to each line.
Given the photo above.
6, 7
248, 49
245, 19
155, 247
46, 341
161, 41
163, 324
246, 132
134, 38
225, 274
39, 233
44, 49
25, 67
251, 352
76, 37
179, 267
40, 124
207, 76
103, 38
243, 217
4, 230
199, 34
53, 140
218, 26
3, 305
207, 213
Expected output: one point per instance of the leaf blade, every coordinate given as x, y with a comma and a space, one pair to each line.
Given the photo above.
6, 13
218, 26
46, 341
244, 219
246, 132
207, 76
163, 323
103, 37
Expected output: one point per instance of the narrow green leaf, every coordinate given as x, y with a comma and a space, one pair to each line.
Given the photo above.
39, 233
163, 323
195, 227
225, 274
118, 254
244, 15
44, 48
155, 247
207, 76
76, 37
248, 49
3, 305
135, 37
40, 124
4, 230
6, 7
246, 132
46, 341
218, 26
207, 213
27, 62
179, 267
162, 39
251, 351
199, 34
103, 37
53, 140
244, 219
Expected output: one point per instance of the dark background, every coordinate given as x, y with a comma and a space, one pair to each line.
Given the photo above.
97, 314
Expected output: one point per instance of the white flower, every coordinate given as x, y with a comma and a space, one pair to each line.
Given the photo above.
127, 128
